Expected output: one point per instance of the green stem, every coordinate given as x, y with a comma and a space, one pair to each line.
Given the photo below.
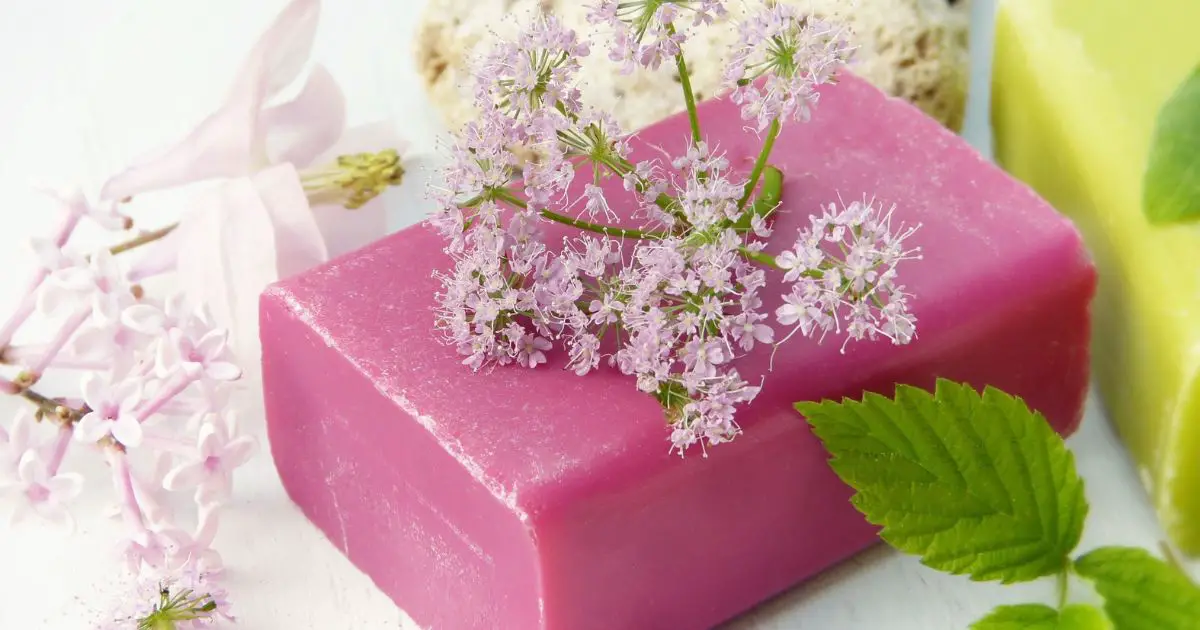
772, 191
689, 97
607, 230
761, 258
1064, 581
760, 163
1169, 554
599, 228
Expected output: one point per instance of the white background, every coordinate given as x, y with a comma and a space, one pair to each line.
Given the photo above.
86, 85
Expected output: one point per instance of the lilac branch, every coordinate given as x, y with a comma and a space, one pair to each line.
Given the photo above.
144, 239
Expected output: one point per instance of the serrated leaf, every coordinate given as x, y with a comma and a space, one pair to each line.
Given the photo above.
976, 485
1171, 184
1140, 591
1040, 617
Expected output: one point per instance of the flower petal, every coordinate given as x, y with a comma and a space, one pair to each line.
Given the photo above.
209, 441
144, 318
92, 341
52, 299
213, 343
128, 431
166, 354
50, 255
75, 279
30, 469
22, 431
299, 244
283, 49
159, 257
224, 144
65, 486
92, 428
53, 512
222, 371
95, 391
183, 476
210, 562
104, 264
238, 452
347, 230
129, 393
176, 306
220, 146
298, 131
228, 258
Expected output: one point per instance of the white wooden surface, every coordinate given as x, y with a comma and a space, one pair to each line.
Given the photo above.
87, 84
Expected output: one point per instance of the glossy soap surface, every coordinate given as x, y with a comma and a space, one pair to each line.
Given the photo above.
537, 499
1077, 87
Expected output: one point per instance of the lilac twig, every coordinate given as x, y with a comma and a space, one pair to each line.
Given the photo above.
144, 239
49, 407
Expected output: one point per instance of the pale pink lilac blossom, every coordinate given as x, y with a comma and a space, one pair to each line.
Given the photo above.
112, 404
137, 359
14, 443
43, 491
220, 449
186, 552
73, 207
154, 375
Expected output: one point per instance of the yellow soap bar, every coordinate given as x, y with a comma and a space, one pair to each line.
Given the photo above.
1077, 85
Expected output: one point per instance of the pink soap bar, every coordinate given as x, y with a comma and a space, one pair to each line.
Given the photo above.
520, 499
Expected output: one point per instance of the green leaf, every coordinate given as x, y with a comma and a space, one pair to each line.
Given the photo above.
1171, 185
976, 485
1040, 617
1140, 591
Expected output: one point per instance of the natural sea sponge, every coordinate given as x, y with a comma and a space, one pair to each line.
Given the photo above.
912, 49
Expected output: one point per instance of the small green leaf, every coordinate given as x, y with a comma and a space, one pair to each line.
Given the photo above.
1040, 617
1171, 186
1140, 591
976, 485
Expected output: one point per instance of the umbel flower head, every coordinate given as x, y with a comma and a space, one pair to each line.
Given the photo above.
674, 302
647, 32
779, 60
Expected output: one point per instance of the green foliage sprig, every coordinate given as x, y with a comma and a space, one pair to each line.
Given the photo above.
980, 485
